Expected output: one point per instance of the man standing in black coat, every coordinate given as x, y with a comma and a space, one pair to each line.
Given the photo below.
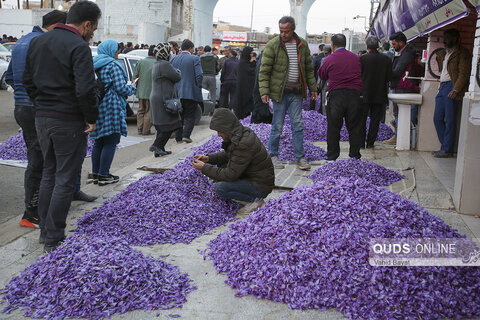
60, 80
376, 73
228, 80
317, 62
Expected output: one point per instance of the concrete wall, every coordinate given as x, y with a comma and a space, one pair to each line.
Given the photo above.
16, 23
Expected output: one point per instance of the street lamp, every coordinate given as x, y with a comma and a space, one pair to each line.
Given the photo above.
364, 20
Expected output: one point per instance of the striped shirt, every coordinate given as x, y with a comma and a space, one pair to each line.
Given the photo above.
293, 59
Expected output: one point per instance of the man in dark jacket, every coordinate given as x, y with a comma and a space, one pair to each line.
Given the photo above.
25, 117
189, 88
403, 62
244, 169
343, 71
317, 62
285, 74
454, 63
210, 69
60, 80
376, 73
228, 79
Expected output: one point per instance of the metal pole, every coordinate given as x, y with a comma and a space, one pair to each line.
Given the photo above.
251, 17
28, 4
18, 4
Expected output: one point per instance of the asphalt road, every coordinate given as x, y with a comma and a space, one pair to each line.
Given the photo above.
11, 178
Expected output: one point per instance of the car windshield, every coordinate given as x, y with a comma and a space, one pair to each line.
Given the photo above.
2, 48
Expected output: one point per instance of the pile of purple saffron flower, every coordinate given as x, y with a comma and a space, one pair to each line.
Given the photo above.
310, 249
174, 207
354, 168
14, 148
93, 278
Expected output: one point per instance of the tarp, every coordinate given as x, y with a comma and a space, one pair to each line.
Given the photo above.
416, 17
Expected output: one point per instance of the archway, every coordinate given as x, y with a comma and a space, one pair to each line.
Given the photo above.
203, 18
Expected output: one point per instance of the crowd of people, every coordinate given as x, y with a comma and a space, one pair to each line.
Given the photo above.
62, 96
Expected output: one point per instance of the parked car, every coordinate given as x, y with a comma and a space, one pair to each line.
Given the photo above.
3, 73
5, 54
139, 52
9, 45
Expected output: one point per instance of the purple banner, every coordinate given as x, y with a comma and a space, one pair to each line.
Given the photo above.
417, 17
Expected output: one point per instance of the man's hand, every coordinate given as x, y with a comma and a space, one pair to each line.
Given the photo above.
314, 95
265, 98
453, 94
90, 127
197, 164
201, 157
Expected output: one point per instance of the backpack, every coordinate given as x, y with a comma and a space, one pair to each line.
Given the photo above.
101, 90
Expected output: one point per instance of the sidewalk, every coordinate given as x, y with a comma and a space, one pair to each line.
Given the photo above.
427, 184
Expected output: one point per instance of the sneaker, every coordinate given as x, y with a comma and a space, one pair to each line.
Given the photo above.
302, 164
277, 164
391, 141
435, 152
104, 180
187, 140
82, 196
95, 178
443, 154
30, 222
140, 130
250, 207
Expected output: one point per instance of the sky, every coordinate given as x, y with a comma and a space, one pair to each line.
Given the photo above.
324, 15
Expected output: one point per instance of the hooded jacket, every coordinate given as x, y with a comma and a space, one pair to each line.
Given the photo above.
244, 154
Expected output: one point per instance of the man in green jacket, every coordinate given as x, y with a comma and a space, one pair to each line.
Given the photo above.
143, 71
244, 170
285, 74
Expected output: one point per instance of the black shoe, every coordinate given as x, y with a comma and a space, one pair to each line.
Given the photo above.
49, 247
443, 154
82, 196
161, 153
435, 152
95, 178
140, 130
369, 146
104, 180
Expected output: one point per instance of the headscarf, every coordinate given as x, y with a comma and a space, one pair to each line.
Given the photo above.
162, 51
105, 55
246, 53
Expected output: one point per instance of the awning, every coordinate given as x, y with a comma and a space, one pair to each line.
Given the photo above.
416, 17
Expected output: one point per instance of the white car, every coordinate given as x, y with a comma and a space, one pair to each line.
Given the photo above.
3, 73
139, 52
5, 54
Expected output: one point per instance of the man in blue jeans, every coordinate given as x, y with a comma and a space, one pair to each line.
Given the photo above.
454, 63
285, 74
244, 170
25, 116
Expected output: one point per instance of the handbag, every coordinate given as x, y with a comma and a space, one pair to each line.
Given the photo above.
174, 105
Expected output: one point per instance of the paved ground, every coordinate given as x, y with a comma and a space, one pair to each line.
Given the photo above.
213, 299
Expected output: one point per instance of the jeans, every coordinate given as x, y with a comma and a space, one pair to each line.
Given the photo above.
227, 94
210, 83
344, 104
445, 117
240, 190
63, 144
291, 103
162, 138
103, 152
188, 119
25, 117
376, 111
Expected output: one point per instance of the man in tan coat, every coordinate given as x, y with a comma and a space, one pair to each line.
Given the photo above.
454, 64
